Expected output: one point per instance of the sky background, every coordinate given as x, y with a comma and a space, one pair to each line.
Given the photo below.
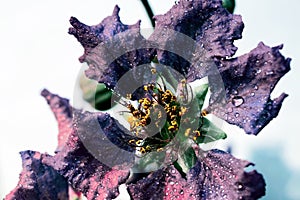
37, 52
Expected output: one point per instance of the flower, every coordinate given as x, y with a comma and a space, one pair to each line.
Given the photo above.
96, 153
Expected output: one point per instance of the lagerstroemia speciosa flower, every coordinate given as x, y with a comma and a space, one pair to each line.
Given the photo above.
159, 155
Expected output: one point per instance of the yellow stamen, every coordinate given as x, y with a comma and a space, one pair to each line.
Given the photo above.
204, 113
187, 132
159, 149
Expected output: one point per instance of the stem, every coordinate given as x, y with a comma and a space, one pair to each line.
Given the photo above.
149, 11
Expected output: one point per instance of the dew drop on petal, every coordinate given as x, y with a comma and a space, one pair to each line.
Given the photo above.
269, 73
235, 92
237, 101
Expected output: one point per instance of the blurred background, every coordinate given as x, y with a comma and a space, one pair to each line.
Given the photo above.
37, 52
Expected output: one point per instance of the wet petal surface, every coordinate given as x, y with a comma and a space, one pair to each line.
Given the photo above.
74, 161
111, 48
216, 175
249, 81
38, 181
212, 27
85, 173
63, 114
162, 184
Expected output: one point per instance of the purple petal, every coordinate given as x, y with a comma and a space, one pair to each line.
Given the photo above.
218, 175
91, 36
249, 81
63, 114
212, 27
38, 181
78, 164
162, 184
105, 138
111, 48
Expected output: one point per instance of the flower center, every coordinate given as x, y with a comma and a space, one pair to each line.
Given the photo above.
160, 111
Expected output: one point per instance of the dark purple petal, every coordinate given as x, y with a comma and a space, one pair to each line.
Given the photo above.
218, 175
78, 164
212, 27
105, 138
111, 48
63, 114
91, 36
162, 184
249, 81
38, 181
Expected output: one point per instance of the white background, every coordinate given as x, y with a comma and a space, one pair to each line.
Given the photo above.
36, 52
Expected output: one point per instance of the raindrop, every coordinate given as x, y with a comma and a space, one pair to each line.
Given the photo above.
255, 87
269, 73
258, 71
235, 92
237, 114
252, 94
237, 101
240, 186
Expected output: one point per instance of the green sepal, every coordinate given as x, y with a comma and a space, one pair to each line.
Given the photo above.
153, 160
96, 94
201, 92
189, 158
103, 97
229, 5
179, 169
209, 132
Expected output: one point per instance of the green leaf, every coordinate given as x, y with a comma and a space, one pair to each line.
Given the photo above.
103, 97
209, 132
189, 158
149, 162
201, 92
229, 5
96, 94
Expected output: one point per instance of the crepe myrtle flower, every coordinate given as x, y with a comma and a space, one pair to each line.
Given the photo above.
159, 155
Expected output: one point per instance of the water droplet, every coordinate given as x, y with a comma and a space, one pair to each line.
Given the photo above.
258, 71
237, 114
240, 186
235, 92
255, 87
252, 94
269, 73
237, 101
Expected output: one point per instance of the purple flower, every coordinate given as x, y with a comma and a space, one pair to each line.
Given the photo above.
194, 38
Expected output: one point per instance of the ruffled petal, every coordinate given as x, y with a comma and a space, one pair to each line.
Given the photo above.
84, 172
88, 136
162, 184
216, 175
105, 138
62, 111
111, 48
207, 22
249, 81
38, 181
